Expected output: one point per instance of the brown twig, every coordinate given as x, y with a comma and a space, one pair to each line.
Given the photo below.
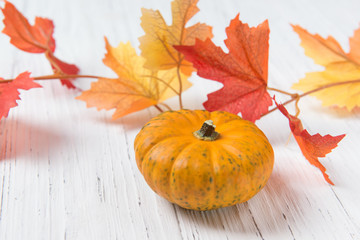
55, 76
298, 96
162, 81
282, 91
180, 85
167, 106
158, 108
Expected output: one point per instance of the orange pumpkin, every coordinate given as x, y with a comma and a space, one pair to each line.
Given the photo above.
205, 169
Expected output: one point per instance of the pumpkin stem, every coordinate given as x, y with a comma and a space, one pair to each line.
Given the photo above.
207, 131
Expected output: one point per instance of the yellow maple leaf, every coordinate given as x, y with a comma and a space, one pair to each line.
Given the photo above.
135, 88
157, 43
338, 80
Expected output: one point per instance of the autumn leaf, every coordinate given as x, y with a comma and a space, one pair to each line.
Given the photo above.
157, 43
135, 88
9, 92
243, 71
61, 67
312, 146
341, 74
35, 39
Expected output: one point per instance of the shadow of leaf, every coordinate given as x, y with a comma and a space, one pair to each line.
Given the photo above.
19, 138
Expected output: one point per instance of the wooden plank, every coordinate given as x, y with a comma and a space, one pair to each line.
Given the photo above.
68, 172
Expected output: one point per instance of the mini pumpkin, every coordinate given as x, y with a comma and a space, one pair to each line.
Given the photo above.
203, 169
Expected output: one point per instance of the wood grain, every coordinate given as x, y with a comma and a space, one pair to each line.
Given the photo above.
68, 172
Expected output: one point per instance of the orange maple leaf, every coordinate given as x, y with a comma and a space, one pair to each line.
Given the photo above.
243, 70
340, 67
35, 39
9, 92
312, 146
157, 43
135, 88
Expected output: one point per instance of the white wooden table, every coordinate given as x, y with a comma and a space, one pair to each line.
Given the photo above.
68, 172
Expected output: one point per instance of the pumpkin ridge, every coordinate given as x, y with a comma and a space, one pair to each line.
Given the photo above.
233, 151
165, 137
194, 113
228, 125
186, 117
212, 159
157, 143
217, 115
234, 134
172, 169
229, 122
183, 115
225, 150
229, 150
200, 118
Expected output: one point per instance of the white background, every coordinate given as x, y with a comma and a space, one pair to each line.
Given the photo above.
68, 172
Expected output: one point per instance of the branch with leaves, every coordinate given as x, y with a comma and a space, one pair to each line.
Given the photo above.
169, 55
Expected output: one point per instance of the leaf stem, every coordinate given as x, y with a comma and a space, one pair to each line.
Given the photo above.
296, 97
56, 68
54, 76
162, 81
158, 108
167, 106
297, 107
180, 85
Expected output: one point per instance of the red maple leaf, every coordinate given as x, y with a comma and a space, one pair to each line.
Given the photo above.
243, 71
9, 92
312, 146
37, 38
65, 68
